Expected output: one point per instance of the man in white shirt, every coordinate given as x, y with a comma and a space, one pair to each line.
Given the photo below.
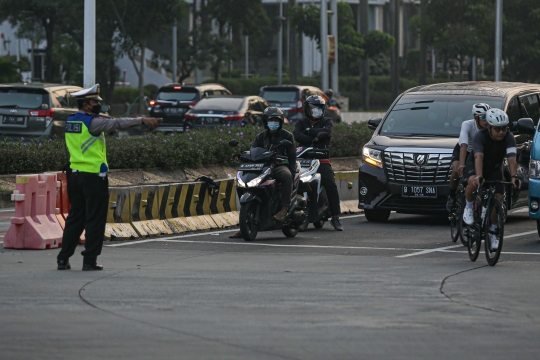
464, 147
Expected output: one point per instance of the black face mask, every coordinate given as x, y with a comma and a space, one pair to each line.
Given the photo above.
96, 109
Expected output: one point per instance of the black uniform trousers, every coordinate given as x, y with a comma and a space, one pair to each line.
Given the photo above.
283, 175
88, 198
329, 183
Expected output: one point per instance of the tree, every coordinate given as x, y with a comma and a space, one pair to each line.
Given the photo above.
45, 14
352, 45
138, 22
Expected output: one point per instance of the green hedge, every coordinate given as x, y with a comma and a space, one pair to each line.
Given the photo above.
168, 152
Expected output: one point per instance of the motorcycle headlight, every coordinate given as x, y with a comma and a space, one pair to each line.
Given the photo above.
239, 180
258, 179
372, 156
534, 169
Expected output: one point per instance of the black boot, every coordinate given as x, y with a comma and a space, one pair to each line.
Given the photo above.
90, 267
336, 224
63, 265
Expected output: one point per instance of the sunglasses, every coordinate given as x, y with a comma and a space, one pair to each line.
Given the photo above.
482, 117
500, 128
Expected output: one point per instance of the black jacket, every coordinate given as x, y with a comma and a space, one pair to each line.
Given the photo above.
304, 132
266, 139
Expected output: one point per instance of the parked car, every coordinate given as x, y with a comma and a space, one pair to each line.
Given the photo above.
290, 99
174, 100
407, 162
232, 110
33, 110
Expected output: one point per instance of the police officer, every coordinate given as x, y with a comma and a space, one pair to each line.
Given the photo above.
307, 132
273, 119
88, 185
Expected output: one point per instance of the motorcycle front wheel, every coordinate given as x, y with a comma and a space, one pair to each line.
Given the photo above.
249, 224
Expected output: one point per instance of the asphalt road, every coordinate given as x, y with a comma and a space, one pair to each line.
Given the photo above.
399, 290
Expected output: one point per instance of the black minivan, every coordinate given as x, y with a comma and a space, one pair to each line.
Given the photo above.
411, 148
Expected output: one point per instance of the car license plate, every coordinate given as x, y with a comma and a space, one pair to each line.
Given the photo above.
174, 110
419, 191
305, 163
17, 120
250, 166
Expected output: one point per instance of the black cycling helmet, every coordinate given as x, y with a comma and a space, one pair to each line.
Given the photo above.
329, 93
273, 112
312, 102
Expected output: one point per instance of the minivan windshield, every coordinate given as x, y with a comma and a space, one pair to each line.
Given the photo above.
23, 98
435, 115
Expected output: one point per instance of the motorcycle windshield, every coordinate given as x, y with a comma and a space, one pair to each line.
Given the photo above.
260, 154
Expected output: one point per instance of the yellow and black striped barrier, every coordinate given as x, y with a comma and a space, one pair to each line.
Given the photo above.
119, 215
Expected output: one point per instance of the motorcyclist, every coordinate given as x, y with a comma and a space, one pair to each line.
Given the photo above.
273, 119
308, 133
330, 94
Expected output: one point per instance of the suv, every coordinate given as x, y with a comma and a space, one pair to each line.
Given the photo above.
35, 110
290, 99
174, 100
407, 163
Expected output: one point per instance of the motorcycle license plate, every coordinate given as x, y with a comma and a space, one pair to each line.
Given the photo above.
419, 191
245, 167
305, 163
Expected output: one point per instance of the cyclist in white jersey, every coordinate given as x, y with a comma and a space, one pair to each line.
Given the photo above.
464, 147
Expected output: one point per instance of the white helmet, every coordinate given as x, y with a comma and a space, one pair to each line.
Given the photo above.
497, 117
480, 108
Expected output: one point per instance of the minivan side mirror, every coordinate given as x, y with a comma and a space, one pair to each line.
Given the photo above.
105, 108
525, 126
374, 123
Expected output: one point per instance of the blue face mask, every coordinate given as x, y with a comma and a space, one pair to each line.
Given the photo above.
273, 126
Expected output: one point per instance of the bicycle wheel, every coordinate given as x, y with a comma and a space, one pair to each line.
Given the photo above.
455, 220
492, 255
474, 237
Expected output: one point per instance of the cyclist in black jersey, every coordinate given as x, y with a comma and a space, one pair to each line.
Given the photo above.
490, 147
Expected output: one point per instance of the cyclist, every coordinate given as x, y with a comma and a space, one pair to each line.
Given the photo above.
490, 147
464, 147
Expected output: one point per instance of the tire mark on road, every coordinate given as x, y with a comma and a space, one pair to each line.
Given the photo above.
200, 337
441, 290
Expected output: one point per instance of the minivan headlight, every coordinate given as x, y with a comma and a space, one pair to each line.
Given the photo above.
372, 156
534, 169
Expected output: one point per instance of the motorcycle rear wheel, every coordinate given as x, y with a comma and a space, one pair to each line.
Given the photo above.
289, 231
249, 226
319, 224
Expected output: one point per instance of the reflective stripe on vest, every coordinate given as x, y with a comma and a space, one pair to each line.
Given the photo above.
87, 152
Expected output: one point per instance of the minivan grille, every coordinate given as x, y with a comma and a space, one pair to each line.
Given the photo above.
405, 167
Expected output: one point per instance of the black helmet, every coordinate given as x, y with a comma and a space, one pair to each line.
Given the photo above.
273, 112
314, 101
329, 93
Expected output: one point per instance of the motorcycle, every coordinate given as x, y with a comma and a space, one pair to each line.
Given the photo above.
260, 194
311, 186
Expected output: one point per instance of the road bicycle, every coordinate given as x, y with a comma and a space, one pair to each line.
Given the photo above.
456, 215
484, 204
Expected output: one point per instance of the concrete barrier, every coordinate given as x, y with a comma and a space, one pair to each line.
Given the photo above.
347, 184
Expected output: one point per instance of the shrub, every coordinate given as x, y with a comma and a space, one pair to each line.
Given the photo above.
166, 151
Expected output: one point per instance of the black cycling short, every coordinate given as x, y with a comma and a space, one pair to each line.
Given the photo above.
456, 152
494, 175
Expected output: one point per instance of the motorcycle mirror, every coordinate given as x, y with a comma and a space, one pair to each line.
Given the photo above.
285, 143
322, 135
233, 143
525, 126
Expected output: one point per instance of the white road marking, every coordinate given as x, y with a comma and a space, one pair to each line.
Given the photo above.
199, 234
502, 252
524, 209
520, 234
6, 210
268, 245
428, 251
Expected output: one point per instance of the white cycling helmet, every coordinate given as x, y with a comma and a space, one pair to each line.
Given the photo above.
480, 108
497, 117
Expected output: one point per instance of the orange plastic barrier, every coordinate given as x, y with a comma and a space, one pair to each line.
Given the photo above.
35, 225
62, 202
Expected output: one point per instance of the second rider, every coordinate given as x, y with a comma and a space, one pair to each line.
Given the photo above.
306, 133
